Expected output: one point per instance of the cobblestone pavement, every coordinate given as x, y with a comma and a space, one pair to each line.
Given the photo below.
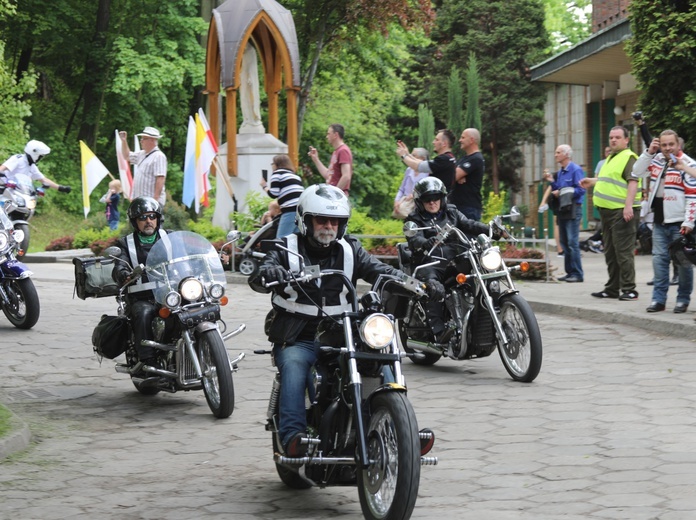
605, 432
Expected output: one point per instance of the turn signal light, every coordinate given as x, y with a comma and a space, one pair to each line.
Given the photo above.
164, 313
224, 300
524, 267
461, 278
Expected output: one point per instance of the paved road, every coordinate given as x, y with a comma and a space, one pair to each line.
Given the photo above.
605, 432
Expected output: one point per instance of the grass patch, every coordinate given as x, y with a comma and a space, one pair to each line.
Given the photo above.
5, 423
50, 224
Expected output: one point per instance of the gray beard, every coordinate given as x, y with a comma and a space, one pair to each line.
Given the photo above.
324, 237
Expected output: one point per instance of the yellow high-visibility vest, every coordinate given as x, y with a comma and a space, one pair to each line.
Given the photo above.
611, 189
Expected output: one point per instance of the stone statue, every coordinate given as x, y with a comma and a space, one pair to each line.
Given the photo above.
249, 93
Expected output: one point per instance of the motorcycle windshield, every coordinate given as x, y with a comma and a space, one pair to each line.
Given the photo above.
24, 183
180, 255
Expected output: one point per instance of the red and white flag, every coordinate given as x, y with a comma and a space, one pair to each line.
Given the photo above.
124, 171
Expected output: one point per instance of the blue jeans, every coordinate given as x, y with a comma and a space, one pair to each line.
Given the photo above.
569, 234
662, 235
294, 363
286, 225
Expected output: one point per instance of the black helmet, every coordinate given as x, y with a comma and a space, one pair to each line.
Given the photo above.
142, 205
322, 200
429, 187
683, 250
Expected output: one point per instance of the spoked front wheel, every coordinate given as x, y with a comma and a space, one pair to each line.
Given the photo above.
217, 374
388, 487
522, 354
23, 307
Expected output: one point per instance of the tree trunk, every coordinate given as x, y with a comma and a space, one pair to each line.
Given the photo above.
494, 170
308, 80
96, 69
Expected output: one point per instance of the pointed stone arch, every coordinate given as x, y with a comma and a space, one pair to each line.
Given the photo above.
272, 30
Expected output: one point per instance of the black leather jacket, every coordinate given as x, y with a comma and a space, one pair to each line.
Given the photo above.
418, 243
287, 327
123, 270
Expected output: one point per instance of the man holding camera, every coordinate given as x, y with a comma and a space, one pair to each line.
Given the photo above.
672, 199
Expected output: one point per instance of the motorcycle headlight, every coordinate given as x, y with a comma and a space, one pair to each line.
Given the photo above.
491, 259
377, 331
31, 204
191, 289
4, 240
18, 235
172, 300
19, 201
216, 291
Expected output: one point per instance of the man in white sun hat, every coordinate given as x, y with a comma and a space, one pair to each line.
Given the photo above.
151, 163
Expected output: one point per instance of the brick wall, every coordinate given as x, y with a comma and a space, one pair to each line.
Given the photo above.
606, 13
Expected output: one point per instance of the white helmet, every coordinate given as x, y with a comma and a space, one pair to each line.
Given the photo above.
322, 200
36, 150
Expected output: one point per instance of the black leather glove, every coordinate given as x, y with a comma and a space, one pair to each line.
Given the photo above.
435, 290
65, 189
274, 274
430, 243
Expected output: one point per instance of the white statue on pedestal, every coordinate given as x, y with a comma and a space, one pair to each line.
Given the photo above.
249, 93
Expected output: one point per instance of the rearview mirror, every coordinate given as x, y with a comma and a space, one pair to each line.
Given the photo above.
410, 229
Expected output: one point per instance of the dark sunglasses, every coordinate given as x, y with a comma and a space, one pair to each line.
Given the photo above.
430, 198
322, 221
147, 216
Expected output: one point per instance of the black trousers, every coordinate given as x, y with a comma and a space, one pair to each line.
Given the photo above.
142, 312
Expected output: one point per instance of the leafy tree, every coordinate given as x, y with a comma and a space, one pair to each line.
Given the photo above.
567, 22
454, 102
323, 23
662, 50
473, 113
426, 128
508, 36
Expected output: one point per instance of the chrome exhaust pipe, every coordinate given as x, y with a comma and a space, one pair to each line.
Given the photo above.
422, 346
428, 461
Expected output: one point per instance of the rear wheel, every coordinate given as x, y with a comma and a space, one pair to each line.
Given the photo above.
217, 374
23, 308
522, 355
388, 487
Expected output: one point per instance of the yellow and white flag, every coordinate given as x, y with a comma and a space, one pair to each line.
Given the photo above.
93, 171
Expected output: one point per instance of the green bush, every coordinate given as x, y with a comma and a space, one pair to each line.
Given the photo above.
495, 205
85, 237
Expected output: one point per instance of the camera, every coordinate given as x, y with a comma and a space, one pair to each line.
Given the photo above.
637, 115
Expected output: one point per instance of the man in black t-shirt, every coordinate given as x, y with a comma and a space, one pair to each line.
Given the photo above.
442, 166
466, 194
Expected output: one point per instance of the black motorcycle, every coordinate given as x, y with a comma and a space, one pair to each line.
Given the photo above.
362, 429
189, 334
483, 308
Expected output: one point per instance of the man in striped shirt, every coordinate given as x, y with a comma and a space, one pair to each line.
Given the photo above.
151, 163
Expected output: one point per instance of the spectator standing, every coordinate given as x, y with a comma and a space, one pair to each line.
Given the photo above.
286, 186
442, 166
112, 199
672, 199
340, 170
615, 197
466, 193
151, 163
566, 188
544, 206
405, 194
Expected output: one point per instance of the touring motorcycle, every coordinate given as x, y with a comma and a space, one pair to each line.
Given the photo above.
18, 297
362, 429
483, 307
189, 334
22, 194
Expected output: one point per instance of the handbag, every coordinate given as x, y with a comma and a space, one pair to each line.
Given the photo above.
566, 205
404, 208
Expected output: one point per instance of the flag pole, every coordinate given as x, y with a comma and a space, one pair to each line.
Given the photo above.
225, 178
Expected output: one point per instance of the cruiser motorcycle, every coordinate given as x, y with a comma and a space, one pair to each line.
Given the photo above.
362, 429
22, 194
189, 335
18, 297
483, 307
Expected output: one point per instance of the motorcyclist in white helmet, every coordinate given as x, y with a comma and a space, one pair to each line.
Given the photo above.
26, 163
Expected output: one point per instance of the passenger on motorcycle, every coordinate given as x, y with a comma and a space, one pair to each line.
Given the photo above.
322, 217
145, 215
26, 163
430, 196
